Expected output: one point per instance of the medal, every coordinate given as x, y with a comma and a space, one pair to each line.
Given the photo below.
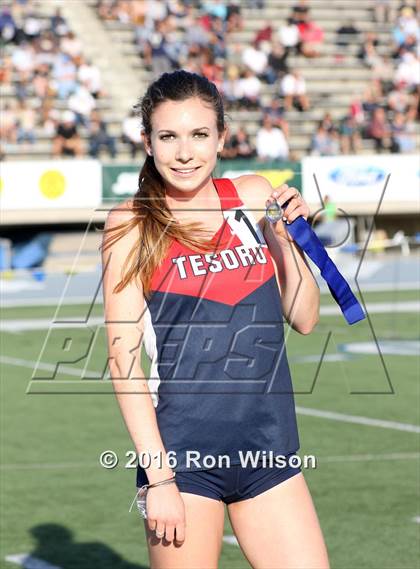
273, 212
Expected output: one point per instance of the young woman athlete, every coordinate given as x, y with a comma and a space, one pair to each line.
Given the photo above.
194, 271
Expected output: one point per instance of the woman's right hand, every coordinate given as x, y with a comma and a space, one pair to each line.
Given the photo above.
166, 512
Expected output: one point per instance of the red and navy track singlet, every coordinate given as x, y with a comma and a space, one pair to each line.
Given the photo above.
213, 328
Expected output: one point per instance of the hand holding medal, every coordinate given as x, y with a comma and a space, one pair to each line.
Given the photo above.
294, 211
293, 206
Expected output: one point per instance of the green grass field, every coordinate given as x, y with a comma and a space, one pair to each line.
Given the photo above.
60, 505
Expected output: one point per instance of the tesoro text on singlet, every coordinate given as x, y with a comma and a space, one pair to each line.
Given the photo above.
216, 262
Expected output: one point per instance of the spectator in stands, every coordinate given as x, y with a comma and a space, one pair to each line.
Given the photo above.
379, 131
406, 33
90, 75
82, 104
403, 134
49, 117
72, 46
275, 111
6, 69
408, 23
23, 61
216, 8
160, 59
310, 34
231, 88
193, 59
329, 212
328, 122
347, 35
271, 142
289, 38
293, 89
32, 26
367, 53
277, 63
99, 137
106, 9
408, 70
300, 12
7, 26
255, 59
217, 39
123, 11
26, 120
370, 100
58, 24
64, 76
67, 141
399, 100
234, 21
264, 36
241, 144
324, 142
209, 68
41, 83
8, 124
22, 89
311, 39
383, 74
228, 151
174, 47
131, 129
182, 12
197, 34
249, 87
350, 140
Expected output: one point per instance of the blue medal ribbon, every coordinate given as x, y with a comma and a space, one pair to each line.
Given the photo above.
309, 242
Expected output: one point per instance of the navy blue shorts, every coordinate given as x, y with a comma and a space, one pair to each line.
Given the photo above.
230, 484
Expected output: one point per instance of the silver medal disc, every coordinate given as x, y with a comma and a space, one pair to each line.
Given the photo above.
274, 212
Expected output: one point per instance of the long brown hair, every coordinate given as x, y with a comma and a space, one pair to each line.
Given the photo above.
156, 224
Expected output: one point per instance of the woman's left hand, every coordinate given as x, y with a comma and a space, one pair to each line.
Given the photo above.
296, 207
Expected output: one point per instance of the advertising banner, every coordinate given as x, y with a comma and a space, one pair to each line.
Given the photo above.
50, 184
120, 181
361, 179
276, 172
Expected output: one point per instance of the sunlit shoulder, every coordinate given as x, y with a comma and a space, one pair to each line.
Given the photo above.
253, 190
120, 213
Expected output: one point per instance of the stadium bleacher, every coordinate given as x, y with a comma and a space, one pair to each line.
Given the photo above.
350, 66
333, 79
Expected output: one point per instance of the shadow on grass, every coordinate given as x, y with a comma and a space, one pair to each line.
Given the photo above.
56, 546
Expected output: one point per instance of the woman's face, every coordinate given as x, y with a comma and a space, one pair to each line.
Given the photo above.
184, 143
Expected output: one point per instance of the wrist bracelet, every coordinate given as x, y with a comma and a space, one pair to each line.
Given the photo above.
167, 481
140, 497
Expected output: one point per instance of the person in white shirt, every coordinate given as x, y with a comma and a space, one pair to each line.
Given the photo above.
271, 142
71, 45
255, 59
288, 35
249, 87
293, 89
90, 75
408, 70
131, 129
82, 104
